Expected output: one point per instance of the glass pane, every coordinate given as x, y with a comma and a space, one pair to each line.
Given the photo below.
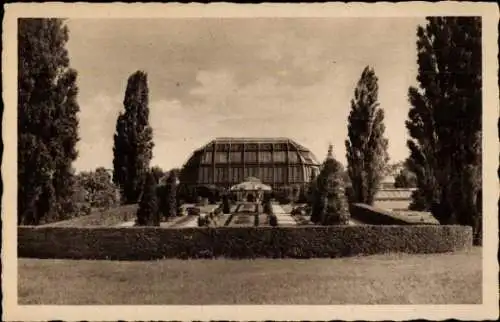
291, 174
254, 172
266, 146
233, 175
208, 175
236, 175
261, 174
297, 174
265, 157
251, 157
293, 157
279, 156
219, 174
207, 158
235, 157
278, 175
269, 174
221, 157
250, 147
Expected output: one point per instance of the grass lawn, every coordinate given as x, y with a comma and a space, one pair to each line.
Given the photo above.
106, 218
452, 278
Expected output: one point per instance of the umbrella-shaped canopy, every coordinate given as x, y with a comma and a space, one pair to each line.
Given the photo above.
251, 185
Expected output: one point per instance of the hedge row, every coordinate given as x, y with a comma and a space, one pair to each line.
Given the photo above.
376, 216
141, 243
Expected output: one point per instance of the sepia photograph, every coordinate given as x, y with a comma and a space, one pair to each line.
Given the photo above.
210, 159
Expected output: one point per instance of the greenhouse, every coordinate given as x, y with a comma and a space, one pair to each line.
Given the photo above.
225, 162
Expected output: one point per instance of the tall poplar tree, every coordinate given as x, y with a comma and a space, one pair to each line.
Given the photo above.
366, 145
47, 121
445, 120
133, 143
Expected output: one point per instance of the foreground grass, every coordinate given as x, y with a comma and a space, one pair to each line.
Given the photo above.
452, 278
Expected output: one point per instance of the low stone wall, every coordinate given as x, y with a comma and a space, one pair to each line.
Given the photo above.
247, 242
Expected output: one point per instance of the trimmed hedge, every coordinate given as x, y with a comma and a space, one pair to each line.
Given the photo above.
376, 216
148, 243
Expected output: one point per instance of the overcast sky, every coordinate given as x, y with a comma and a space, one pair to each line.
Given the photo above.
239, 77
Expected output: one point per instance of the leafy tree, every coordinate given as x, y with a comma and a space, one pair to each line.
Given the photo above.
80, 200
329, 205
47, 121
133, 139
444, 121
99, 188
418, 202
405, 179
147, 213
366, 145
158, 173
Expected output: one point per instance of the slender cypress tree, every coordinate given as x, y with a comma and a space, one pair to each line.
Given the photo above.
147, 213
133, 143
47, 121
226, 208
329, 204
171, 194
366, 145
445, 120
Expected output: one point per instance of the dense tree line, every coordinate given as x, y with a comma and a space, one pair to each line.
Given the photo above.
47, 122
445, 121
